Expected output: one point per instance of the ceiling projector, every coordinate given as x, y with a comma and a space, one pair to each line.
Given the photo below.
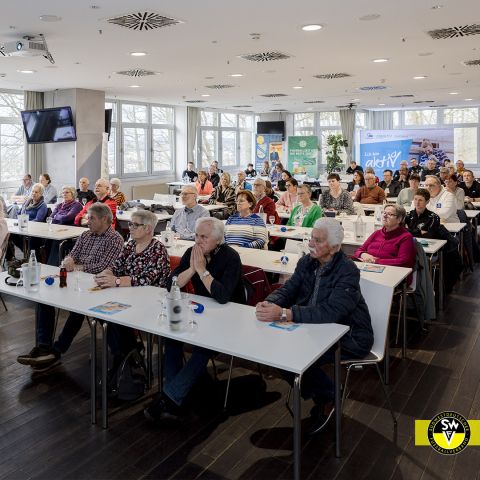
24, 48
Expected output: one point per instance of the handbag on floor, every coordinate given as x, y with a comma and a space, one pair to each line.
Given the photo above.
129, 380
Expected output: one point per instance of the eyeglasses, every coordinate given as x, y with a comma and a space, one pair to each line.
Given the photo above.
391, 215
429, 185
135, 225
184, 194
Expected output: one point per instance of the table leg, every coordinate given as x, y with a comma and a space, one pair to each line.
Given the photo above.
160, 363
441, 286
93, 370
338, 403
297, 429
386, 360
404, 318
104, 375
149, 360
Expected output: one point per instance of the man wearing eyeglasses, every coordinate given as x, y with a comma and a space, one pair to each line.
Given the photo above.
95, 250
370, 193
184, 219
442, 202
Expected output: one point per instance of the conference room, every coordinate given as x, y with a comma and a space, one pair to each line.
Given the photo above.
220, 131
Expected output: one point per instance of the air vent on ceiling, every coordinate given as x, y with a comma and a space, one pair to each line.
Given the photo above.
264, 56
143, 21
241, 106
372, 88
407, 95
471, 63
136, 72
273, 95
331, 76
455, 32
437, 106
424, 101
194, 101
315, 101
219, 87
279, 110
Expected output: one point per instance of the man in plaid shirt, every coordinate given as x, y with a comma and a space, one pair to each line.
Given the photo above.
95, 250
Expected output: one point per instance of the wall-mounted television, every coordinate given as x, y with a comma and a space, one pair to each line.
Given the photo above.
108, 121
49, 125
270, 128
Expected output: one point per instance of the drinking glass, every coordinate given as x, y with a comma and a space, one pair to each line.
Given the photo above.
84, 201
271, 219
49, 223
76, 278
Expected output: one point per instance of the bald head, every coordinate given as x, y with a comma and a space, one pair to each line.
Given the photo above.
83, 184
102, 187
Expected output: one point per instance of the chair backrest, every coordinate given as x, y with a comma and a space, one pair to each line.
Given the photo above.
292, 246
3, 250
379, 301
256, 284
174, 263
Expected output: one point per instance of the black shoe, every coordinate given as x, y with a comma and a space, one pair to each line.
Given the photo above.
162, 408
321, 417
43, 367
39, 356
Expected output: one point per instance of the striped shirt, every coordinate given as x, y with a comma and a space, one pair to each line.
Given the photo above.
249, 232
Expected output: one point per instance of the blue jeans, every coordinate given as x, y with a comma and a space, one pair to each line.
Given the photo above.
180, 378
46, 324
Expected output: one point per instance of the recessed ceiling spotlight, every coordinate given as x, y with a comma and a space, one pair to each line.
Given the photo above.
312, 27
355, 100
205, 95
95, 7
425, 54
380, 60
436, 7
381, 104
369, 17
134, 86
26, 71
297, 87
138, 54
419, 77
50, 18
453, 93
236, 75
468, 99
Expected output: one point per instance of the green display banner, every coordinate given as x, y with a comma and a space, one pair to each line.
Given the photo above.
302, 155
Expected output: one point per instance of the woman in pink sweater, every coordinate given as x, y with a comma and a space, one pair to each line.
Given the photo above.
393, 244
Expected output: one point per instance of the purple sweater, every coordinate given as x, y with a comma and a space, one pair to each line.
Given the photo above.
390, 248
66, 212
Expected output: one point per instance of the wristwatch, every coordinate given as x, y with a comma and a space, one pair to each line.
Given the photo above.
283, 316
117, 282
205, 274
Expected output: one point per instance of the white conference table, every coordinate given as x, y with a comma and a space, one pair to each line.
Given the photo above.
43, 230
231, 329
126, 215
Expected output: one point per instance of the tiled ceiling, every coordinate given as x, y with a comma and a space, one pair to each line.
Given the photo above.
204, 45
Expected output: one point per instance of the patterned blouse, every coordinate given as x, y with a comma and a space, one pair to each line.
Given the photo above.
224, 195
342, 204
119, 197
150, 267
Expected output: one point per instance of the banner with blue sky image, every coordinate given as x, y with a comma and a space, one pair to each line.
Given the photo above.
385, 149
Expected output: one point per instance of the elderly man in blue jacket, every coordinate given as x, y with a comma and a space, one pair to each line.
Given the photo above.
325, 288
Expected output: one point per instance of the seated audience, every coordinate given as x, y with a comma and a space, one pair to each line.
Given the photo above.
49, 191
143, 261
94, 251
265, 169
443, 173
183, 220
203, 185
190, 173
276, 173
244, 228
20, 196
115, 193
224, 194
442, 202
405, 197
35, 206
84, 195
250, 172
217, 168
3, 235
414, 167
213, 176
372, 171
102, 190
451, 185
66, 211
241, 183
270, 192
430, 168
357, 182
404, 167
325, 288
289, 198
393, 244
335, 198
470, 186
460, 167
370, 193
307, 213
354, 168
215, 271
264, 204
403, 176
281, 183
388, 185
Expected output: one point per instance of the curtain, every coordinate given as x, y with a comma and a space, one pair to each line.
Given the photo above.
347, 121
380, 120
193, 121
34, 100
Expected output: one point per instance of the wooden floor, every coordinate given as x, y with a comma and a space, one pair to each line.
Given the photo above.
45, 430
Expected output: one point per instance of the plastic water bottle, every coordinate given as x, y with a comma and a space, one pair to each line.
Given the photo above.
35, 271
168, 228
378, 216
359, 227
175, 313
186, 179
262, 214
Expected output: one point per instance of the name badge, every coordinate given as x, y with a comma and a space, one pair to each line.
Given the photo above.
439, 205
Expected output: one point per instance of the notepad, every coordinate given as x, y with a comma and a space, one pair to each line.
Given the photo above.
289, 327
368, 267
110, 308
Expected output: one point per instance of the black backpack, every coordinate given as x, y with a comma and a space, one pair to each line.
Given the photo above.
130, 378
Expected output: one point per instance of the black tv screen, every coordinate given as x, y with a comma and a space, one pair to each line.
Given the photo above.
49, 125
108, 121
270, 128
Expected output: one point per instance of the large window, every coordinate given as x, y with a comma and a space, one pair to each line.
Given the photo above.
225, 137
12, 144
142, 139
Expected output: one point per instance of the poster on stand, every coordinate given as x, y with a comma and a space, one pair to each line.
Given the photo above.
303, 155
268, 147
385, 149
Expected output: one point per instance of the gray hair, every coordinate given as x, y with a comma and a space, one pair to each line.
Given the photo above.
400, 212
333, 228
71, 189
116, 181
101, 211
190, 189
369, 170
216, 226
435, 178
260, 181
40, 186
146, 217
